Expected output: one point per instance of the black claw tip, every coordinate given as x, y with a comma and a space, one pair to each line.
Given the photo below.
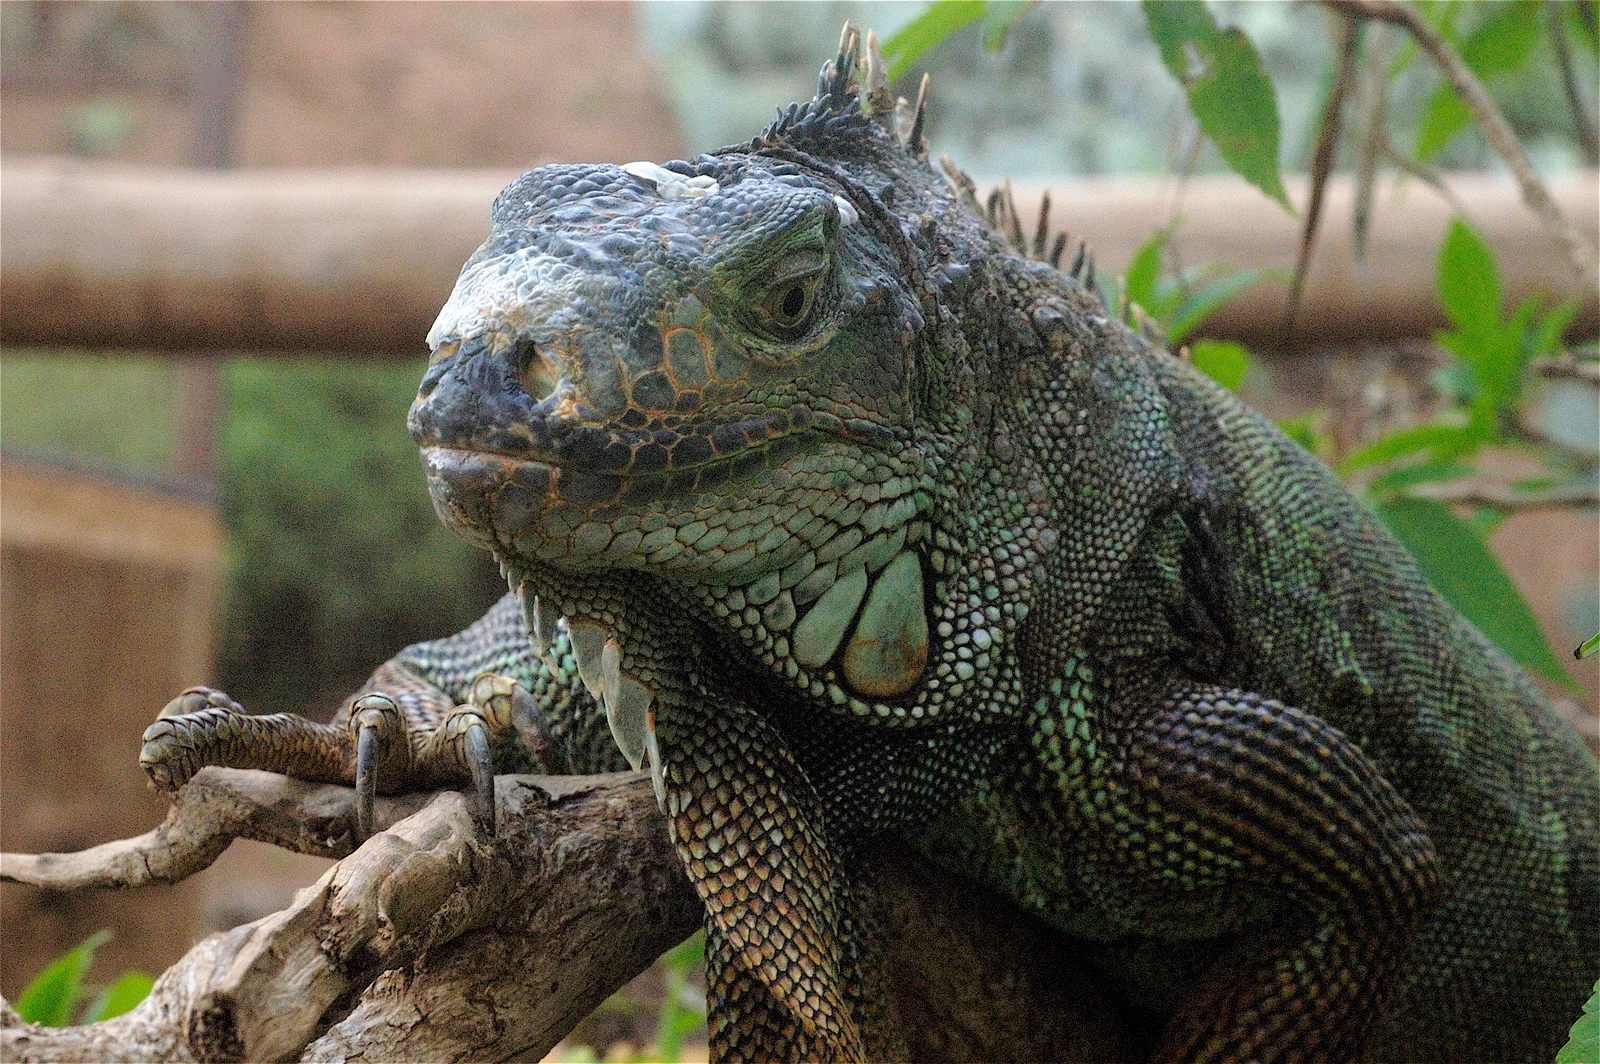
366, 781
480, 762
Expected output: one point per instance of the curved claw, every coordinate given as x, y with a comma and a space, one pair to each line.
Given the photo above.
199, 727
479, 758
380, 738
369, 745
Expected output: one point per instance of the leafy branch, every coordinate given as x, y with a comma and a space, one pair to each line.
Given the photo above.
1581, 251
1425, 472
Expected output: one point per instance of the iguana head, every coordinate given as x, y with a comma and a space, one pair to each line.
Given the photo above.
697, 343
715, 378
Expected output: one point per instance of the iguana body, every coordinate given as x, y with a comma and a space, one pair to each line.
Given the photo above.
858, 522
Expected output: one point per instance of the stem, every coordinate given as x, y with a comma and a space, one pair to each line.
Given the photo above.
1376, 86
1581, 118
1508, 500
1328, 132
1584, 256
1422, 172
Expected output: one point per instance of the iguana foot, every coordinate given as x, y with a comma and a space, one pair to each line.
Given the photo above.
378, 743
204, 726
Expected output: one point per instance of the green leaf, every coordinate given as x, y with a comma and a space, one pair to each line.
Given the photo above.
1444, 118
1485, 519
999, 17
928, 30
54, 992
122, 995
680, 1016
1199, 303
1307, 430
1494, 349
1503, 42
1139, 283
1500, 44
1222, 360
1457, 562
1468, 282
1545, 339
688, 953
1583, 1045
1238, 109
1173, 23
1229, 93
1442, 16
1492, 363
1445, 441
1587, 647
1421, 473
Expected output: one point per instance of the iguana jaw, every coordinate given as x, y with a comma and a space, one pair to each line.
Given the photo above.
501, 395
527, 504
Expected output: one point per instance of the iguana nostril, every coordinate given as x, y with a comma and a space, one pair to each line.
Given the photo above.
431, 379
537, 373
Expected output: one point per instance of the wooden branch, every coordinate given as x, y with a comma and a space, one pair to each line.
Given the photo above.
1582, 252
424, 944
225, 804
1501, 497
1569, 367
358, 262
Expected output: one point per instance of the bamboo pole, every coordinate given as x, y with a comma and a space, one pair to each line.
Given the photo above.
358, 261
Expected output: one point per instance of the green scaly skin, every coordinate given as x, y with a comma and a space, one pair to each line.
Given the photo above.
860, 522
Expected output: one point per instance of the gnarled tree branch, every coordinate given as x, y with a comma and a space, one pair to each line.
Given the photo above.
578, 893
426, 944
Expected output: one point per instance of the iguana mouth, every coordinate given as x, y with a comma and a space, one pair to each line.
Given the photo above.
547, 502
491, 471
571, 445
474, 400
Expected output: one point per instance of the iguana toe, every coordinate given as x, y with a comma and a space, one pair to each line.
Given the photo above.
382, 751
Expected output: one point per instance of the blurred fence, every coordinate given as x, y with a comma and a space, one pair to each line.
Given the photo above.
359, 260
109, 594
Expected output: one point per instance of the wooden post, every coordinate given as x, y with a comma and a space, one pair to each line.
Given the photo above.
109, 599
358, 261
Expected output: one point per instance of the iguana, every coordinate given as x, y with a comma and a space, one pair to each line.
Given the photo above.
844, 516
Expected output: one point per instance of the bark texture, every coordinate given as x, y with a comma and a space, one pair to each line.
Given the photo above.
427, 944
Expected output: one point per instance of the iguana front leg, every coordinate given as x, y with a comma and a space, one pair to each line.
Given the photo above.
377, 743
780, 952
447, 713
1199, 799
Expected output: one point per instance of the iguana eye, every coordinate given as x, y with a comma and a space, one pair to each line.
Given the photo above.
787, 306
